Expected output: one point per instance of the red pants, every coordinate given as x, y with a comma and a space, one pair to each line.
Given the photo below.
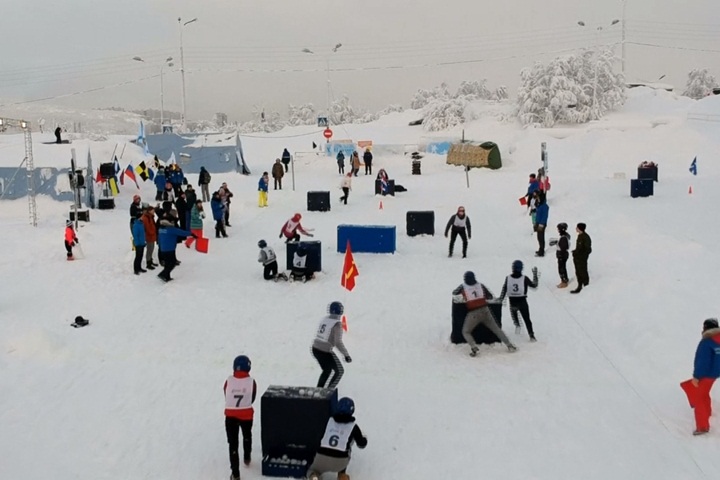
190, 240
699, 398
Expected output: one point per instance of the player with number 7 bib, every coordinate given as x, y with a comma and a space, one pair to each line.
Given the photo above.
240, 391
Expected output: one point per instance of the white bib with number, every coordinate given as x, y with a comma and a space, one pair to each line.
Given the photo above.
298, 261
474, 296
515, 286
238, 393
326, 326
337, 435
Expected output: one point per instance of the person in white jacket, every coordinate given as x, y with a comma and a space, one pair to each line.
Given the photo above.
346, 186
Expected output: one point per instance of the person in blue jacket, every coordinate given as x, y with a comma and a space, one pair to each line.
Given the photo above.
218, 212
159, 181
168, 237
341, 162
705, 372
533, 186
263, 190
542, 211
139, 242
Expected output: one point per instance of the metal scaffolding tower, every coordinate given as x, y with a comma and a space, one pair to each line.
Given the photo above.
30, 164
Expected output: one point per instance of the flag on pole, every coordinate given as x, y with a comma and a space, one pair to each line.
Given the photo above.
141, 134
113, 186
171, 160
151, 174
350, 270
693, 166
142, 170
116, 165
130, 173
98, 177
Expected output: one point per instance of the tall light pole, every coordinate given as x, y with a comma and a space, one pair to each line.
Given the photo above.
327, 70
622, 41
599, 30
167, 62
182, 67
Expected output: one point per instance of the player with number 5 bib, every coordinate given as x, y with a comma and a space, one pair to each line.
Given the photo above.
240, 391
328, 336
340, 433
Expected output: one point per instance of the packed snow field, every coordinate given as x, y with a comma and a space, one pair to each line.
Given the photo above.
138, 393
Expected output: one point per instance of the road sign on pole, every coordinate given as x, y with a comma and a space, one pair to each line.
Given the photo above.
327, 133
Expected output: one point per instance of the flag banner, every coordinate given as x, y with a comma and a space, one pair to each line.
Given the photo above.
142, 170
350, 270
693, 166
130, 173
113, 186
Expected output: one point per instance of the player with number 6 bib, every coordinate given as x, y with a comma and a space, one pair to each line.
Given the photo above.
240, 391
328, 336
340, 433
516, 286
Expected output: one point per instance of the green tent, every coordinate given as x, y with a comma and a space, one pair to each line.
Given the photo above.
486, 154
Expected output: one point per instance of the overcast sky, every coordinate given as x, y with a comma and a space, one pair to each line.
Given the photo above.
238, 52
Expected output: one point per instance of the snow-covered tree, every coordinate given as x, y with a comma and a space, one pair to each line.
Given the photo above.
265, 122
423, 97
473, 90
699, 84
302, 115
570, 89
500, 93
441, 114
342, 112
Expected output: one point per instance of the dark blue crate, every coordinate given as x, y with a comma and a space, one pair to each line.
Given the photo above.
642, 187
367, 238
287, 463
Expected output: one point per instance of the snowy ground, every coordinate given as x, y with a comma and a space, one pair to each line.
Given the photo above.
138, 393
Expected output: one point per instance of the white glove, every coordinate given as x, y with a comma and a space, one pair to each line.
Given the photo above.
459, 298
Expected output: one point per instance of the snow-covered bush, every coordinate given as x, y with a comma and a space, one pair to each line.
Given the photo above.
699, 84
342, 112
473, 90
423, 97
570, 89
267, 122
302, 115
441, 114
500, 93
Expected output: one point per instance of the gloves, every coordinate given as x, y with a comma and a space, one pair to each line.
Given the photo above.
310, 235
348, 359
535, 271
74, 243
280, 236
77, 241
446, 235
459, 298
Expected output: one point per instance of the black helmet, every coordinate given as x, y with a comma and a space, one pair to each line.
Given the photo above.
262, 244
562, 226
710, 323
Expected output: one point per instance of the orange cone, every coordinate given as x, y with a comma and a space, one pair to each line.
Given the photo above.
690, 190
381, 207
344, 323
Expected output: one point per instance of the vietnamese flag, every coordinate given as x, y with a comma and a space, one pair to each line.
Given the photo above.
99, 178
350, 270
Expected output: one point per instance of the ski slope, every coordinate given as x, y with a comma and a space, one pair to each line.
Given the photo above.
138, 393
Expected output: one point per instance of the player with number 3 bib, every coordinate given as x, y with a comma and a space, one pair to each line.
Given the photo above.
328, 336
340, 433
240, 391
515, 286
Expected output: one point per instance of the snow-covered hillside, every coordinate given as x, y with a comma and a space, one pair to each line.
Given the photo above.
138, 393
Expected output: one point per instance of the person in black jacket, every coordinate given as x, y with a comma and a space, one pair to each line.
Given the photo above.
583, 249
516, 287
135, 210
368, 158
563, 247
341, 432
204, 184
286, 159
460, 224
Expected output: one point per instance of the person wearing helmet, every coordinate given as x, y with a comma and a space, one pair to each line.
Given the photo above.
291, 228
515, 287
706, 370
269, 260
300, 270
240, 390
327, 337
333, 455
70, 239
460, 224
475, 296
563, 246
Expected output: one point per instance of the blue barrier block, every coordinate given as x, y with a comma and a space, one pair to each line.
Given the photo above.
367, 238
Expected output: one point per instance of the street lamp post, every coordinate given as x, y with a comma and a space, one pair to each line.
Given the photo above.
167, 62
182, 67
327, 71
599, 30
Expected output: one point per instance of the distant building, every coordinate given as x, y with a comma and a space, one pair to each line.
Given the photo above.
221, 119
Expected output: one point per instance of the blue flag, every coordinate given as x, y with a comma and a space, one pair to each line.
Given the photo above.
693, 166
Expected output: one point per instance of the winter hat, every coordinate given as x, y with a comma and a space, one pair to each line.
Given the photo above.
136, 198
469, 278
710, 323
461, 209
581, 226
562, 226
296, 217
68, 223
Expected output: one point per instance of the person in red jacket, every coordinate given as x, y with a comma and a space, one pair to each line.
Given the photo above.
70, 239
291, 229
240, 391
706, 370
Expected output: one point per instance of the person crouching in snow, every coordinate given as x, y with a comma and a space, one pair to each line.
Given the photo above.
341, 432
263, 190
706, 371
70, 239
475, 296
291, 228
346, 186
269, 260
460, 224
300, 270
